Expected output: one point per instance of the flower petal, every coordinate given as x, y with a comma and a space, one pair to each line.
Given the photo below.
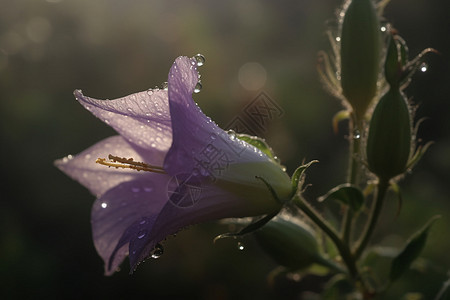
98, 178
198, 143
126, 213
143, 118
198, 202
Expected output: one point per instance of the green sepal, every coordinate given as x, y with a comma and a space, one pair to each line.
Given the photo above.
297, 178
249, 228
347, 194
418, 155
411, 251
412, 66
258, 143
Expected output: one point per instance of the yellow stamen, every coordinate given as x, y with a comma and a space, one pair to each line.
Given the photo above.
129, 163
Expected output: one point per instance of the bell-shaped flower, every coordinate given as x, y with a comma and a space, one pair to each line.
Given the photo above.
169, 167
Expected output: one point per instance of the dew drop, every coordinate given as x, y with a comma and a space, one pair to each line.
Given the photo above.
148, 189
200, 59
141, 234
232, 134
157, 251
149, 92
356, 135
142, 222
165, 86
424, 67
198, 87
135, 189
240, 246
338, 39
383, 28
104, 205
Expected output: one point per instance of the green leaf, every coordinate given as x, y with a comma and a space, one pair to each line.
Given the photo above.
249, 228
411, 251
347, 194
258, 143
297, 176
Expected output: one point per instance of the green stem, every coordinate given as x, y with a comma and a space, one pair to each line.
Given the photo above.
343, 249
353, 178
382, 187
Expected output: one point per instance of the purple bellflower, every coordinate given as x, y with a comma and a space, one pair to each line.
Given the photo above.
169, 167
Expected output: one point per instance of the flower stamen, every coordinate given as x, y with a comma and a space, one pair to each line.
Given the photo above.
128, 163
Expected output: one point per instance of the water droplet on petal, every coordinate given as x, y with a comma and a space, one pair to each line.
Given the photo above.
104, 205
149, 92
135, 189
141, 234
200, 59
198, 87
148, 189
142, 222
423, 67
158, 251
232, 134
165, 86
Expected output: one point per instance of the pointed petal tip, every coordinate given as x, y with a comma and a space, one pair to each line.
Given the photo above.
78, 93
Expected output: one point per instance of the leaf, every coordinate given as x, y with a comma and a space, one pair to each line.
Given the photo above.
347, 194
411, 251
297, 176
249, 228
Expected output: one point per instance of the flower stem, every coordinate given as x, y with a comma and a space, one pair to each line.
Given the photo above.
353, 178
375, 213
343, 249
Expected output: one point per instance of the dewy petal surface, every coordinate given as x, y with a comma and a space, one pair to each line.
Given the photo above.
126, 213
98, 178
143, 119
196, 138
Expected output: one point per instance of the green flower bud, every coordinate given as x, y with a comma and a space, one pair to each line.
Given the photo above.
359, 54
289, 242
389, 140
393, 66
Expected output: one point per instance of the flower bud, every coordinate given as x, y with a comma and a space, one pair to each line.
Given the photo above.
393, 64
360, 54
389, 140
289, 242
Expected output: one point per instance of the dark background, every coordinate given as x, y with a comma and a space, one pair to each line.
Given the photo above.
113, 48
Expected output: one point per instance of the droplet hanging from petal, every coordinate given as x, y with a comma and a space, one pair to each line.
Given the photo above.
198, 87
200, 59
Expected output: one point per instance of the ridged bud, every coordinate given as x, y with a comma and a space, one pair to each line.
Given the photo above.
360, 39
289, 243
389, 140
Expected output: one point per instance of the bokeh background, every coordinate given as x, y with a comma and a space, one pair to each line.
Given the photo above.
113, 48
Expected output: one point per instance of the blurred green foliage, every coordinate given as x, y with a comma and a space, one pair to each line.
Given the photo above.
112, 48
